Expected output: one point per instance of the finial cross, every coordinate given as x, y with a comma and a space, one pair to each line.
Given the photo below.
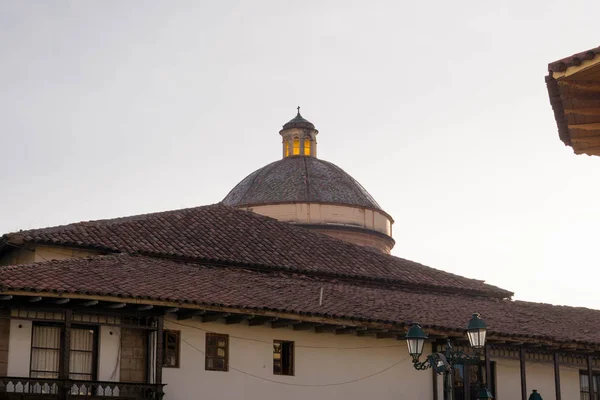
298, 110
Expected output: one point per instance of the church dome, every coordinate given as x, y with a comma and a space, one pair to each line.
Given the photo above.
300, 180
304, 190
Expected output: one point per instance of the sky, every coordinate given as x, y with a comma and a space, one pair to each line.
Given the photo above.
114, 108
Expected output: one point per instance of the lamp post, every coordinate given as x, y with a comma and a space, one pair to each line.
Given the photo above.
446, 360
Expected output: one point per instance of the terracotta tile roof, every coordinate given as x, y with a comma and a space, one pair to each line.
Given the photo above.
224, 235
300, 179
138, 277
574, 60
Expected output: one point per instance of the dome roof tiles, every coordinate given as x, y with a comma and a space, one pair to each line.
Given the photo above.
300, 179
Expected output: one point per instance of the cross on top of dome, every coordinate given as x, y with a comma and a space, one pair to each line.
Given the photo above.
298, 122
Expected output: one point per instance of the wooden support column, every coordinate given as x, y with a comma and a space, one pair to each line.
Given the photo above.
434, 375
523, 374
557, 376
488, 367
66, 345
590, 365
467, 380
159, 349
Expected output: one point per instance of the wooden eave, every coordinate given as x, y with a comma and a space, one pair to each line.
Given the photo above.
574, 92
276, 318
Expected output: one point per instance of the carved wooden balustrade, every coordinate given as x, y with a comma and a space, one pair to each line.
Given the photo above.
13, 388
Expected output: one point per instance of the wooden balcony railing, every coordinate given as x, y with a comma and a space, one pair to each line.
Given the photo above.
13, 388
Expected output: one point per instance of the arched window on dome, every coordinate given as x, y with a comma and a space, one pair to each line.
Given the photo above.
307, 146
287, 149
296, 147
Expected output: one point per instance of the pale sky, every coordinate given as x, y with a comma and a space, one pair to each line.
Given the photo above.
115, 108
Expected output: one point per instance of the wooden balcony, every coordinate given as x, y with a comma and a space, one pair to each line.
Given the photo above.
13, 388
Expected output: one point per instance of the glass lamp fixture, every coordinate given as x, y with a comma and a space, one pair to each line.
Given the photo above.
476, 331
415, 339
535, 396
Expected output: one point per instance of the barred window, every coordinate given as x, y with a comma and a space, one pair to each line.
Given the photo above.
217, 352
171, 346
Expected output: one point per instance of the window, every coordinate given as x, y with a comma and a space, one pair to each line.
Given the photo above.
82, 354
46, 345
296, 147
287, 149
307, 147
283, 357
464, 385
584, 386
171, 344
217, 352
45, 352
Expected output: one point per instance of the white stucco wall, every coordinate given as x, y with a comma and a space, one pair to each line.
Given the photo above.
540, 376
109, 354
323, 364
19, 347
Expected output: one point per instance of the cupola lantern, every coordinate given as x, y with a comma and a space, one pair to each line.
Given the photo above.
299, 137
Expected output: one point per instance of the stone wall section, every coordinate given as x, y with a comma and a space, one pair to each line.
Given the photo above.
133, 355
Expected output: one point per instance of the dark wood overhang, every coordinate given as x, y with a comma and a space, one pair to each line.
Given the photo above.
139, 313
574, 88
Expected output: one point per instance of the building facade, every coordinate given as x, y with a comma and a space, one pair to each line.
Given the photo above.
217, 302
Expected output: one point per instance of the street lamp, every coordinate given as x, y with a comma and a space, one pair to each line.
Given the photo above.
415, 338
476, 332
444, 361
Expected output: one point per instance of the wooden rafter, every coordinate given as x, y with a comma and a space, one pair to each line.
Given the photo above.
213, 316
258, 320
580, 86
283, 323
236, 319
583, 111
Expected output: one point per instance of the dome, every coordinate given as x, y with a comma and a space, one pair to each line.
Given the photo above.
302, 189
300, 180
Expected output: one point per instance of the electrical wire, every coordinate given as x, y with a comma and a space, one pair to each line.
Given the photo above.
305, 384
297, 345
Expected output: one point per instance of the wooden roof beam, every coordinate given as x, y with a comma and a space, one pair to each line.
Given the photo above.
236, 319
587, 140
283, 323
350, 329
259, 320
213, 316
187, 314
305, 326
328, 328
586, 127
373, 332
391, 334
580, 86
583, 111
